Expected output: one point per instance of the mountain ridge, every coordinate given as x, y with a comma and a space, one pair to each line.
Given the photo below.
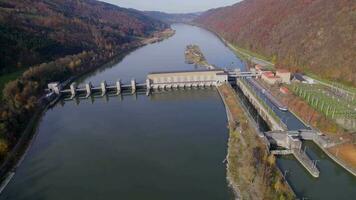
306, 35
33, 32
172, 17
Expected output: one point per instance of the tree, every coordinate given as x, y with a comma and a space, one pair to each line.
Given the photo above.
4, 148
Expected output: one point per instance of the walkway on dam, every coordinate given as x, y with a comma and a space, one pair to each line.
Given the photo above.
156, 80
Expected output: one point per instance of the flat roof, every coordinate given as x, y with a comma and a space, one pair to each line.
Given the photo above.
187, 71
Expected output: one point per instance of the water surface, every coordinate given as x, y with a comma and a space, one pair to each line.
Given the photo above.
169, 145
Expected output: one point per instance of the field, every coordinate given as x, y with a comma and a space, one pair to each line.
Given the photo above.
342, 87
331, 102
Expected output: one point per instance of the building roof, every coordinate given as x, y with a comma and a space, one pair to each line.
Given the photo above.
183, 71
268, 74
222, 73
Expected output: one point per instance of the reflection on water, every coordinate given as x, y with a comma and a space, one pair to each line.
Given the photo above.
169, 145
150, 147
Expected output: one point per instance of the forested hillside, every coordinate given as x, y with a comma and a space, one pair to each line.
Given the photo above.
52, 40
312, 35
32, 32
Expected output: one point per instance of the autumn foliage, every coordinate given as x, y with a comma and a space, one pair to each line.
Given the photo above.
55, 40
310, 35
32, 32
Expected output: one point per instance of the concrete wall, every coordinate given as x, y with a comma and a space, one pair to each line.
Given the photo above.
187, 78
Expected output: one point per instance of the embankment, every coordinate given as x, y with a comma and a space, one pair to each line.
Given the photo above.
251, 171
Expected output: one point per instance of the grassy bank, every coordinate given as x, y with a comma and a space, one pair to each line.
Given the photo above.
251, 170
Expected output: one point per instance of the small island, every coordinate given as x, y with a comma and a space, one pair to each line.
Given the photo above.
193, 55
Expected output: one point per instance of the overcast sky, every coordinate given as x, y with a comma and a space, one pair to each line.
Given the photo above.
172, 6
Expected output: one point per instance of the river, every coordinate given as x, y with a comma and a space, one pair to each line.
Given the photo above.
169, 145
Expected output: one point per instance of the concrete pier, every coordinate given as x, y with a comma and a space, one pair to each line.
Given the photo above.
73, 89
291, 140
55, 87
133, 86
88, 87
148, 84
103, 88
308, 164
118, 86
157, 80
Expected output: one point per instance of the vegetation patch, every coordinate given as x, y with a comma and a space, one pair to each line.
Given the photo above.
251, 170
292, 34
53, 41
336, 106
194, 55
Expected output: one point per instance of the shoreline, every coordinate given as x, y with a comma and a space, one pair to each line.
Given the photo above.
18, 153
236, 127
329, 154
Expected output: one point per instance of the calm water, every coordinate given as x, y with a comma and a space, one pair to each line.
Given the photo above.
169, 145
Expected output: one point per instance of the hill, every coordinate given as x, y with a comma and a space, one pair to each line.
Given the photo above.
316, 36
32, 32
52, 40
172, 18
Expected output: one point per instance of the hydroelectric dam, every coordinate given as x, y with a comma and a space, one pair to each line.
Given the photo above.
279, 135
154, 81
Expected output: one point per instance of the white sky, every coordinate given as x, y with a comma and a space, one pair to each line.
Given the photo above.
172, 6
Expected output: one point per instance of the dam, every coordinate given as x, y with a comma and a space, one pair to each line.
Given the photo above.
173, 129
156, 80
203, 79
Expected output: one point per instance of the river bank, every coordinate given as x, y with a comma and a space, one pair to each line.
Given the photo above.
251, 170
18, 152
343, 153
319, 122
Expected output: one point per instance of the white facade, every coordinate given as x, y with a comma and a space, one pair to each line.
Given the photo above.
188, 78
